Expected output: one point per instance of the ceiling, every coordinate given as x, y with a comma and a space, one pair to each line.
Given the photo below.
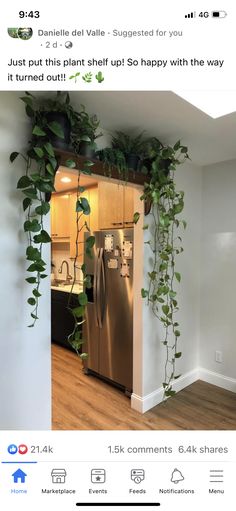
167, 116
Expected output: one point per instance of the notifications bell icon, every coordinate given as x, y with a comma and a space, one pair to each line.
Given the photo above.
176, 476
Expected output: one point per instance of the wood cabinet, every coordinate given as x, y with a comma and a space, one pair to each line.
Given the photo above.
116, 208
128, 206
60, 210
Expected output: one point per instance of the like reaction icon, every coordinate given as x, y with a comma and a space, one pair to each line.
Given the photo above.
21, 449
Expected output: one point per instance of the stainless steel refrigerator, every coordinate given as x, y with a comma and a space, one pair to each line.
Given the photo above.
108, 329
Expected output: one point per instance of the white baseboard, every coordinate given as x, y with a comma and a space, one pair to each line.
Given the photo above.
143, 404
225, 382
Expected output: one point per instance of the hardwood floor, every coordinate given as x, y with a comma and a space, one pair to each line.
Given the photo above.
84, 402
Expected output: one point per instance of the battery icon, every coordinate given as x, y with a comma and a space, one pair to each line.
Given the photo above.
219, 14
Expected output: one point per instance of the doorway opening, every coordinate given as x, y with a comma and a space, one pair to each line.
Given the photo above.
113, 323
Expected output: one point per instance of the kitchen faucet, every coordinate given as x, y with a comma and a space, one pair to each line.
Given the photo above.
68, 276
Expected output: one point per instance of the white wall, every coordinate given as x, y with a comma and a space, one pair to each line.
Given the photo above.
188, 178
25, 395
218, 269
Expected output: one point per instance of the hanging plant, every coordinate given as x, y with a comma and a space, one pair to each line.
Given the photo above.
165, 243
37, 183
83, 210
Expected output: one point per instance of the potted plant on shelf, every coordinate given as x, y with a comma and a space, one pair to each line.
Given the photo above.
133, 148
55, 116
113, 158
84, 133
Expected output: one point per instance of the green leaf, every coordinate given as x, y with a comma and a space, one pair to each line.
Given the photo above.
23, 182
56, 128
83, 356
38, 131
89, 163
136, 217
184, 149
178, 276
33, 316
165, 309
144, 293
87, 171
13, 156
49, 149
90, 241
30, 193
31, 301
43, 237
177, 145
33, 254
45, 186
88, 282
33, 226
26, 203
78, 311
27, 100
54, 163
43, 276
35, 177
83, 205
178, 355
170, 393
70, 164
184, 223
39, 151
176, 377
31, 280
152, 275
177, 333
178, 207
29, 111
36, 293
83, 299
35, 267
50, 169
43, 209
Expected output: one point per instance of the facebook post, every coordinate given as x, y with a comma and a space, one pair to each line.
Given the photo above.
118, 243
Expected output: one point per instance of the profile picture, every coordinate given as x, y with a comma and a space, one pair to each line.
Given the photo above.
13, 32
20, 33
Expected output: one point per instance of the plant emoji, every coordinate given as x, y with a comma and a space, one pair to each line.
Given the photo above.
99, 77
87, 77
74, 77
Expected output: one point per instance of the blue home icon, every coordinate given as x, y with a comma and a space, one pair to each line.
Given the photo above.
19, 476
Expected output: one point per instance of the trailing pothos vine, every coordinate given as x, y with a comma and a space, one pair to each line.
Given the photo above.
165, 243
38, 181
83, 210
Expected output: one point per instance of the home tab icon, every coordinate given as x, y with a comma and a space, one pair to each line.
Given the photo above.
58, 475
19, 476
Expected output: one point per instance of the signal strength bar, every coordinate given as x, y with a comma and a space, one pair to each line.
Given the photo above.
191, 15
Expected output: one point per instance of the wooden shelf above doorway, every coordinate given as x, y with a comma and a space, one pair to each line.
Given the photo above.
98, 168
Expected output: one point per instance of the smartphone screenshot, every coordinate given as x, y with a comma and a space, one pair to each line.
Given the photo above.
118, 253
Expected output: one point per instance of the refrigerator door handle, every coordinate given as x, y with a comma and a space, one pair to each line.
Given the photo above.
101, 291
96, 272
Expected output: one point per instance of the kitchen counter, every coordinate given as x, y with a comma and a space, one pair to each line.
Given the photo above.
78, 288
